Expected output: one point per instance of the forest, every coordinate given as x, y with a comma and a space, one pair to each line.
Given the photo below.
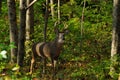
88, 51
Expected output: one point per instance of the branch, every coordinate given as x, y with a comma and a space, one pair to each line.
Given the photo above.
82, 18
81, 28
31, 4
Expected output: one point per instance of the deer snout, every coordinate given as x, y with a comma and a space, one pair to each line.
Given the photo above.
61, 41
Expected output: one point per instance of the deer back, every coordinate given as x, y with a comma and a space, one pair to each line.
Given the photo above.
50, 49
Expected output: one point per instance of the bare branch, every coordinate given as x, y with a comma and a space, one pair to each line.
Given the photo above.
31, 4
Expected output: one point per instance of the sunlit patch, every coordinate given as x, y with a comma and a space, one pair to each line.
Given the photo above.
3, 54
16, 68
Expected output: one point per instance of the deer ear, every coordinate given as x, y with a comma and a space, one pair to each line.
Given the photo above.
56, 30
66, 31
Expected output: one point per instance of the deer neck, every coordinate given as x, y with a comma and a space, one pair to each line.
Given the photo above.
58, 44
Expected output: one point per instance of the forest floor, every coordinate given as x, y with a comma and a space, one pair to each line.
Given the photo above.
93, 67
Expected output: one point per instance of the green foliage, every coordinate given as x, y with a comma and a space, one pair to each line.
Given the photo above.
96, 70
5, 57
115, 70
2, 60
4, 37
95, 39
86, 51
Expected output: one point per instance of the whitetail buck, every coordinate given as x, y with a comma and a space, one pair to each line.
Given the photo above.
49, 50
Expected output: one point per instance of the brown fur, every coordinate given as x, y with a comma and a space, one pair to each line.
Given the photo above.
48, 50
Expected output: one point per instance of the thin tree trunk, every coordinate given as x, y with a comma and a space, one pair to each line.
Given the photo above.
52, 8
29, 26
58, 11
46, 20
13, 29
0, 6
82, 26
115, 34
29, 21
21, 40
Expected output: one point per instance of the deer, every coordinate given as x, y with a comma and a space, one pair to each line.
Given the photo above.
49, 50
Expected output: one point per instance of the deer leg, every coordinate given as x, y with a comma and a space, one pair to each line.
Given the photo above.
54, 65
44, 64
32, 63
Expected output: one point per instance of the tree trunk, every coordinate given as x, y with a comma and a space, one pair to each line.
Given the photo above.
21, 40
29, 21
13, 29
46, 20
52, 8
58, 11
0, 6
115, 33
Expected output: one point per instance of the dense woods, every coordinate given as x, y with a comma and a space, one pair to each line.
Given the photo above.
91, 47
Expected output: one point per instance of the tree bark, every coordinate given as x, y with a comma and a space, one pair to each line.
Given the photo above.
29, 21
52, 8
58, 11
13, 28
0, 6
46, 20
115, 33
21, 40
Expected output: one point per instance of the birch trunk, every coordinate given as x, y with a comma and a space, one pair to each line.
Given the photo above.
52, 8
58, 11
29, 21
115, 34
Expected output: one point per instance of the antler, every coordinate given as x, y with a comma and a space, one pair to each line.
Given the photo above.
55, 23
55, 27
65, 25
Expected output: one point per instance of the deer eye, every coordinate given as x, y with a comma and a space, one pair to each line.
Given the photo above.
63, 38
